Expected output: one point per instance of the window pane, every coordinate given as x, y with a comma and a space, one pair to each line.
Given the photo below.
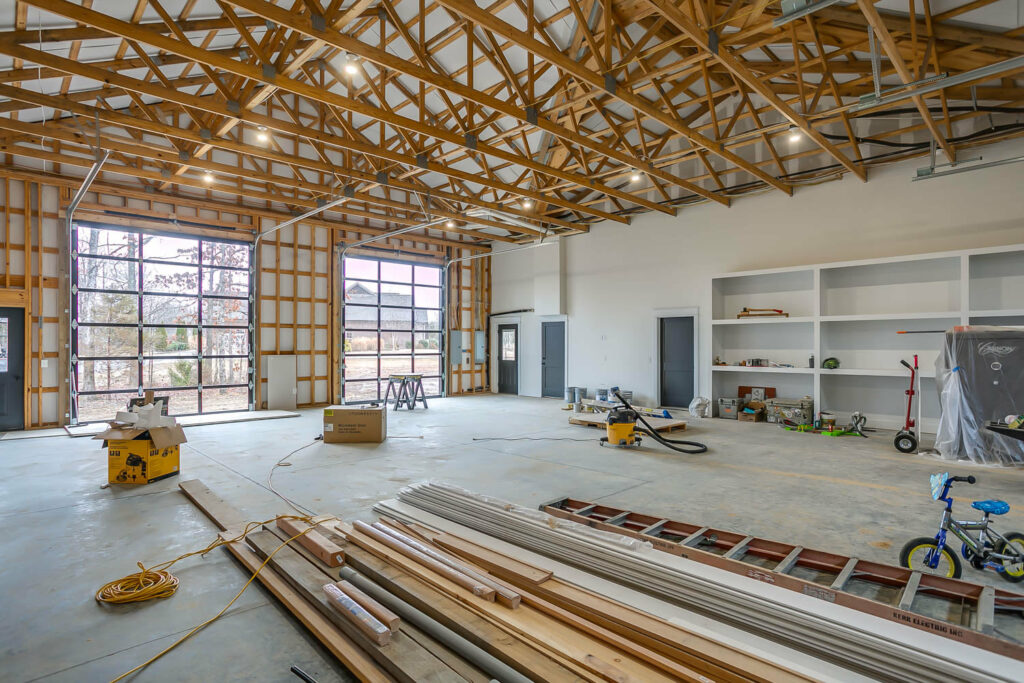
360, 268
432, 387
508, 344
359, 292
427, 275
225, 371
361, 391
170, 341
395, 272
361, 317
395, 365
99, 407
182, 402
101, 375
176, 249
361, 342
102, 307
360, 367
428, 342
225, 342
120, 342
225, 312
395, 295
428, 365
107, 242
170, 310
221, 400
428, 297
395, 342
225, 282
396, 319
225, 254
94, 273
162, 277
158, 372
427, 319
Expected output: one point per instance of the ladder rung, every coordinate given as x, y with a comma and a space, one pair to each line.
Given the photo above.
618, 518
694, 538
909, 591
654, 527
737, 550
987, 610
584, 511
845, 575
789, 561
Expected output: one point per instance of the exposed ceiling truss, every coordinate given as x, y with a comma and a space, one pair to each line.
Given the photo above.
550, 115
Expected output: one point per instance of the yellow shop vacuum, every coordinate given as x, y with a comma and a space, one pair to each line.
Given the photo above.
621, 426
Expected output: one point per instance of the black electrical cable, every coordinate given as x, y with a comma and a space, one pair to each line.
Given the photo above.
674, 444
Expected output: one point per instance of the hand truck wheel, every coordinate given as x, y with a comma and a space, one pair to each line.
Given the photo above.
905, 442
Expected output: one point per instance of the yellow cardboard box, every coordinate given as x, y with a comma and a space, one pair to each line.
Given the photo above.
350, 424
139, 461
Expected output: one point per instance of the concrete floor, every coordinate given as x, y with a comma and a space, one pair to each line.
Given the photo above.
65, 536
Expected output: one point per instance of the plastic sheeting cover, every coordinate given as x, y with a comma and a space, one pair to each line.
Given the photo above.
980, 378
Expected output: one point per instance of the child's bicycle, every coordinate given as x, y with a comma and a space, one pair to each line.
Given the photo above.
989, 550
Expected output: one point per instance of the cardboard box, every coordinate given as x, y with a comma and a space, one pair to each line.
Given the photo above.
756, 416
355, 424
140, 461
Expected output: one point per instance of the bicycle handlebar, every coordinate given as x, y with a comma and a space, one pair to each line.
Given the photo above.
970, 479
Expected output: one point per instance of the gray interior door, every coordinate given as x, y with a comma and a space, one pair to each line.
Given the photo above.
677, 361
12, 368
508, 359
552, 359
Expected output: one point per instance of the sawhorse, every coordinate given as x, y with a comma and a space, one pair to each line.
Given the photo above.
408, 390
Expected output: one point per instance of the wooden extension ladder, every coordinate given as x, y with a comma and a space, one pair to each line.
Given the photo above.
954, 608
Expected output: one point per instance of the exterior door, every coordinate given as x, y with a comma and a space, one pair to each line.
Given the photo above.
677, 361
552, 359
508, 359
12, 368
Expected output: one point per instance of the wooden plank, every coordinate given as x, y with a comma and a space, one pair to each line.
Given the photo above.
371, 627
401, 657
379, 611
355, 660
330, 553
451, 614
493, 562
213, 506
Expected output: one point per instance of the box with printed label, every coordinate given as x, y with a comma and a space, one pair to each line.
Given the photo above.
355, 424
140, 461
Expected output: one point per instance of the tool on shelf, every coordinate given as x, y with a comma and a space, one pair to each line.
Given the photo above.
762, 313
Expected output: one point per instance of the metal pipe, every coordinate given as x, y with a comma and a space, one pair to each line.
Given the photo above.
487, 663
803, 12
69, 219
296, 219
965, 169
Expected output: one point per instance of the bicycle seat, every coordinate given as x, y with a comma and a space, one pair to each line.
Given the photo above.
991, 507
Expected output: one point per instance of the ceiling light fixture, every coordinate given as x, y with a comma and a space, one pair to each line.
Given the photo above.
635, 177
349, 66
526, 204
450, 224
794, 134
208, 177
262, 134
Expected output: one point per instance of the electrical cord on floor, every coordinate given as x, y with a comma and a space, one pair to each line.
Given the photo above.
678, 445
298, 507
527, 438
141, 581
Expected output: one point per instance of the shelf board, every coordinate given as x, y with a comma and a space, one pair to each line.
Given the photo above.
764, 320
743, 368
996, 313
877, 372
889, 316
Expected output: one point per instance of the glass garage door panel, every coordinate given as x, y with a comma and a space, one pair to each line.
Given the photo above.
392, 325
168, 313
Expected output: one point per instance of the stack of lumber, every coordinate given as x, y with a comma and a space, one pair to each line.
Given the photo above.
407, 602
860, 642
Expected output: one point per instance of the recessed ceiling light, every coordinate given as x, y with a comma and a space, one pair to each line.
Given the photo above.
794, 134
526, 204
635, 177
450, 224
208, 177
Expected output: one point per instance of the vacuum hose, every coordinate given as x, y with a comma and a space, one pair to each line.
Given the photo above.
674, 444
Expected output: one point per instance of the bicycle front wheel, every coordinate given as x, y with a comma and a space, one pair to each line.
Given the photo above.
918, 553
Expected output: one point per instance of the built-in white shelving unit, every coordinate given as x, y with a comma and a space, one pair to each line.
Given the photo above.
852, 311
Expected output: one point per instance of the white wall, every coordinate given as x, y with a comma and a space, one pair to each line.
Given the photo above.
617, 276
